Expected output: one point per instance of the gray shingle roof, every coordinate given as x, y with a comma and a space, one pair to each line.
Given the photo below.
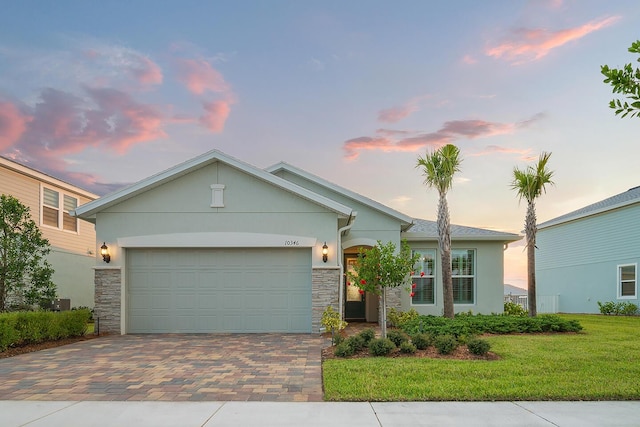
429, 229
629, 197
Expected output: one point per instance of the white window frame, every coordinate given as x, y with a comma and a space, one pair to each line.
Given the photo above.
416, 275
60, 208
473, 276
635, 280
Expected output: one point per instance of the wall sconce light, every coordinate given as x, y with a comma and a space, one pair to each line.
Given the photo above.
325, 252
104, 251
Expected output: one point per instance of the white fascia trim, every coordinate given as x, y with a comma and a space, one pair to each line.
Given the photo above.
217, 240
338, 189
414, 237
553, 222
89, 209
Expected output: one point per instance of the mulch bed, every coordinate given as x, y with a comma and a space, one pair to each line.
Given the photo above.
28, 348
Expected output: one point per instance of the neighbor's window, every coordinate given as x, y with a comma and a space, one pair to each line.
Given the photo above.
627, 281
55, 210
463, 271
424, 276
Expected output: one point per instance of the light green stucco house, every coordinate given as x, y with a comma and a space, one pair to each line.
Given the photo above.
217, 245
590, 255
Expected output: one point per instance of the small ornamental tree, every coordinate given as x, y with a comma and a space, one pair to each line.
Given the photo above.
625, 81
25, 274
379, 268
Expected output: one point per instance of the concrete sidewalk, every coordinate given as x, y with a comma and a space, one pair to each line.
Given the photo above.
352, 414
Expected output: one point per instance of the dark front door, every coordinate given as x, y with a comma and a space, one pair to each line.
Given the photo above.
355, 299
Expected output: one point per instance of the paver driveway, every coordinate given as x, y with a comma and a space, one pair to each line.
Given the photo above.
175, 367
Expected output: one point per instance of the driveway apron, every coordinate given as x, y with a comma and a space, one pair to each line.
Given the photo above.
171, 367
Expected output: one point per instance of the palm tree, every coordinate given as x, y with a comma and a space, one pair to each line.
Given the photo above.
530, 184
438, 169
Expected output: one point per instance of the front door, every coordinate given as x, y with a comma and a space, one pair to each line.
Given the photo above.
355, 300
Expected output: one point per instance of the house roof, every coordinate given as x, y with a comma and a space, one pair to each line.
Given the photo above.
425, 229
406, 220
627, 198
88, 210
43, 177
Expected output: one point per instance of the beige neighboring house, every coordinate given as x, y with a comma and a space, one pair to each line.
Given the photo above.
72, 240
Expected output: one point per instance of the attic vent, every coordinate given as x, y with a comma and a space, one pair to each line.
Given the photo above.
217, 195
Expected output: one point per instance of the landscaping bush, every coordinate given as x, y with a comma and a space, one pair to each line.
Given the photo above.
397, 336
445, 344
356, 342
478, 346
407, 348
422, 341
479, 324
513, 309
367, 335
20, 328
344, 350
381, 346
629, 309
398, 318
618, 308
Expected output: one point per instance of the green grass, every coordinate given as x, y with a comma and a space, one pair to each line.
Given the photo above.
600, 363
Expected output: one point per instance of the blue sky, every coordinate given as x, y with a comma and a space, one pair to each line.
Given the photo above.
107, 93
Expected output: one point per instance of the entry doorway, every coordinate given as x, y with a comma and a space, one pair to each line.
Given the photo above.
358, 306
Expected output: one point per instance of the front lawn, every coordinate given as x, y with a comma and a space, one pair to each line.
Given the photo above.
600, 363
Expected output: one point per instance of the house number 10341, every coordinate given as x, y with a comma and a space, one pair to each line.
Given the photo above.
291, 243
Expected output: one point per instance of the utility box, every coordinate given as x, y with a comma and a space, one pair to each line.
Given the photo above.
62, 304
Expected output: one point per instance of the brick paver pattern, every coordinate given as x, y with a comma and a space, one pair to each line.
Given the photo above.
171, 367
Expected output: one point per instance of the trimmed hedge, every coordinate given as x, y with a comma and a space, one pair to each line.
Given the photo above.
470, 325
31, 327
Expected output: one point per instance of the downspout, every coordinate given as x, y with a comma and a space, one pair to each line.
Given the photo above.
342, 230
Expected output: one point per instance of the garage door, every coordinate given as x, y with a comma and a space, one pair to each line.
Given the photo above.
218, 290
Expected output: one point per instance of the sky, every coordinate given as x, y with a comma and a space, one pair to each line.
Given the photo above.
103, 94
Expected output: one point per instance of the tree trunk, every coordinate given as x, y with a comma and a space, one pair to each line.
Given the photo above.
531, 229
383, 325
444, 242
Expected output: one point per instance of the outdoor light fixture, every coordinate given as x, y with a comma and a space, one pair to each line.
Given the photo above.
104, 251
325, 252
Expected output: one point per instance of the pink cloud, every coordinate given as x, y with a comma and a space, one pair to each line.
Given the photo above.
147, 72
199, 76
525, 154
215, 115
469, 60
532, 44
12, 124
449, 132
395, 114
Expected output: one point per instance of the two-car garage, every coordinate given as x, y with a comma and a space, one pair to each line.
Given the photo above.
204, 290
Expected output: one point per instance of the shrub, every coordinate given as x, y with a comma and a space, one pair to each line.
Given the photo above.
445, 344
399, 318
422, 341
619, 308
629, 309
478, 346
356, 342
337, 339
513, 309
332, 322
367, 335
344, 350
407, 348
381, 346
397, 336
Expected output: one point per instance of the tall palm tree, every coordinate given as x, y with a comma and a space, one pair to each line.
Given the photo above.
438, 169
530, 183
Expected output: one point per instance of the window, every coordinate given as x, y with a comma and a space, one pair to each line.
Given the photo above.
464, 275
55, 210
424, 276
627, 281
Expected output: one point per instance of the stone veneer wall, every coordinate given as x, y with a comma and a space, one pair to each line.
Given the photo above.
108, 283
393, 299
324, 291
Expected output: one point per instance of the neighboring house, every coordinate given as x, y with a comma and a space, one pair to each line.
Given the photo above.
217, 245
72, 240
591, 254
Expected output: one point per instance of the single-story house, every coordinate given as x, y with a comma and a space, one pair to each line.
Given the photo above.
217, 245
591, 254
72, 240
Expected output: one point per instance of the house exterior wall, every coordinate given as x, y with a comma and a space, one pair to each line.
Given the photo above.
578, 260
72, 254
250, 206
489, 277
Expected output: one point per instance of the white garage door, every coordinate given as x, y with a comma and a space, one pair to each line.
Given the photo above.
218, 290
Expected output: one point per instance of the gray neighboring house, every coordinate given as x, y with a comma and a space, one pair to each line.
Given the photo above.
591, 254
217, 245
